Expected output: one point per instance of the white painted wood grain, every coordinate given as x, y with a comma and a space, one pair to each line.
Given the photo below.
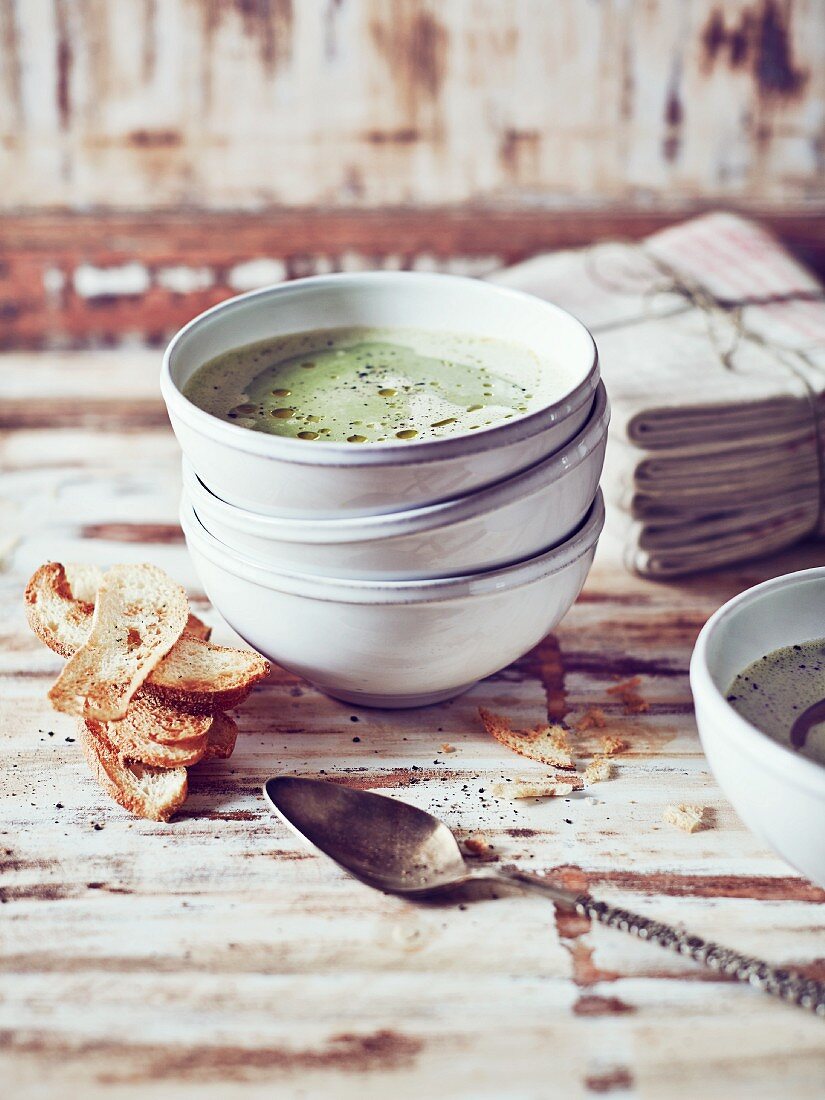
216, 956
369, 102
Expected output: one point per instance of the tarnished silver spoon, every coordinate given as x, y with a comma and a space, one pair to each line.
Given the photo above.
400, 849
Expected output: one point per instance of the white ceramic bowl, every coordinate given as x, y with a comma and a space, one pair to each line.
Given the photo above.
504, 523
288, 477
405, 644
779, 794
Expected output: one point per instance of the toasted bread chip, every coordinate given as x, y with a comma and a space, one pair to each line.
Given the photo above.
480, 848
60, 619
139, 615
143, 790
547, 744
155, 733
84, 581
629, 695
220, 743
688, 818
593, 718
552, 786
612, 746
195, 674
59, 609
133, 745
196, 627
598, 770
165, 723
203, 677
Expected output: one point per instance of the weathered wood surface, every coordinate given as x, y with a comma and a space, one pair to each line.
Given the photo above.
240, 103
216, 956
263, 139
85, 280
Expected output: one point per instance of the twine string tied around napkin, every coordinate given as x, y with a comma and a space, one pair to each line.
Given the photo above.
724, 319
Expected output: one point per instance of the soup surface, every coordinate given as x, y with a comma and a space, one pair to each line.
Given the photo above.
783, 694
375, 385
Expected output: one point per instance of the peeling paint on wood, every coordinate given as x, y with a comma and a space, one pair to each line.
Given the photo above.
248, 103
84, 280
761, 40
415, 47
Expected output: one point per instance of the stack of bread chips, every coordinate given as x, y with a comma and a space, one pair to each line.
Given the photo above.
147, 687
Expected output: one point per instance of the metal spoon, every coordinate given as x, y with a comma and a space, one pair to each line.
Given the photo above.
400, 849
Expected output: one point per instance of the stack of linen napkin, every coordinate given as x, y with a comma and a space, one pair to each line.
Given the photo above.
712, 345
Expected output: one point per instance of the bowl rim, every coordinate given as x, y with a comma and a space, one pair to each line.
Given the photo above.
343, 590
729, 724
413, 452
353, 529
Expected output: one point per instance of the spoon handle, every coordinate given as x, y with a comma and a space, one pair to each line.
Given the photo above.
805, 992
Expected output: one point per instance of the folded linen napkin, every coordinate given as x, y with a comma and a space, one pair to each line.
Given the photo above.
712, 345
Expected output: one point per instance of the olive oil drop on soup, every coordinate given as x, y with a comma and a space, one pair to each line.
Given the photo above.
376, 385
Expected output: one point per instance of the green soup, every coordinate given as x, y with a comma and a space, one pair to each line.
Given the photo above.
369, 385
783, 694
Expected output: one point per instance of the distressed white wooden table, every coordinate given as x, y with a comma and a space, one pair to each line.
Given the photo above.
217, 956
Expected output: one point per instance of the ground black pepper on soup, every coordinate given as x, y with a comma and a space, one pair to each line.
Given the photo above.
376, 385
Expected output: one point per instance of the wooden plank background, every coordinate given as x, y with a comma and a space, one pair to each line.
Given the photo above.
216, 956
247, 103
157, 156
91, 280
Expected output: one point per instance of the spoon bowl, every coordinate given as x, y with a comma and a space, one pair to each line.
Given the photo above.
387, 844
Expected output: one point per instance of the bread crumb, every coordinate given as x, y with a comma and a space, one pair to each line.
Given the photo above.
593, 718
551, 786
479, 847
629, 695
548, 744
447, 747
687, 817
612, 746
598, 770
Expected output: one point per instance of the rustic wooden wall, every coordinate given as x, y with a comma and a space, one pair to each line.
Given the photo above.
238, 103
312, 135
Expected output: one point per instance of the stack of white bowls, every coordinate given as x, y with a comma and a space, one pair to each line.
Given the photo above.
393, 574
